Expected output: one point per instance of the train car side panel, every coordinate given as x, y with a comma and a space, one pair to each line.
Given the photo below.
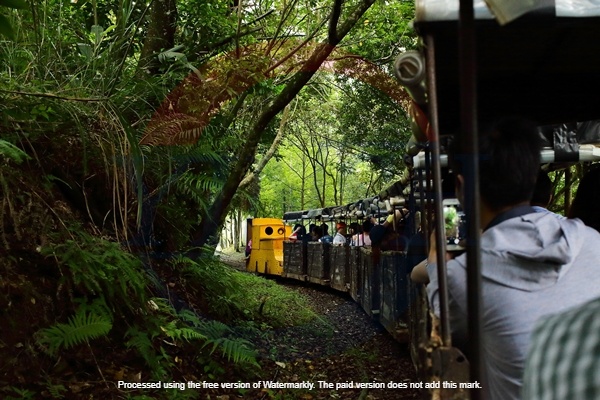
340, 271
317, 262
354, 261
394, 297
294, 260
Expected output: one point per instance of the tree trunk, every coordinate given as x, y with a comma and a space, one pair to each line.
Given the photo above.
162, 21
214, 215
236, 231
271, 152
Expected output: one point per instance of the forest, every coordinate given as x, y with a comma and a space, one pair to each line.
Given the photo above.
131, 131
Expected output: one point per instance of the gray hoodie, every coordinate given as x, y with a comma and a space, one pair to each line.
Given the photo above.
532, 266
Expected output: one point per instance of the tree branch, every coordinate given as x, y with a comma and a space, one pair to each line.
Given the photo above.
333, 21
270, 153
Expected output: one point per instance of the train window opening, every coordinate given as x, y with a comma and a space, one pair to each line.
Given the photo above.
454, 224
269, 230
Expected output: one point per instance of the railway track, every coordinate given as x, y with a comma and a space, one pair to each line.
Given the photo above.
344, 345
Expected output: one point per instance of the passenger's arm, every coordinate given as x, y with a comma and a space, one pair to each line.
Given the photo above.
419, 273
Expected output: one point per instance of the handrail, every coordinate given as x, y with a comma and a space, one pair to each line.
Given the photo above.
437, 190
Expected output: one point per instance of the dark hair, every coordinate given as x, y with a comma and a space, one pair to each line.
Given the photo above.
301, 231
376, 234
542, 192
318, 231
509, 161
324, 229
586, 200
367, 225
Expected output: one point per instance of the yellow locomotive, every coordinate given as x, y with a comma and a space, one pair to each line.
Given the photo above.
265, 237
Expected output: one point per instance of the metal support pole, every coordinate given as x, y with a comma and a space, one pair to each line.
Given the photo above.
440, 235
469, 151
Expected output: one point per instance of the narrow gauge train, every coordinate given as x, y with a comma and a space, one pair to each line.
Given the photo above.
545, 65
376, 276
479, 61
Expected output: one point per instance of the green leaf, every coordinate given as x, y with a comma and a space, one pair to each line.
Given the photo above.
11, 151
13, 4
6, 28
82, 327
85, 50
97, 31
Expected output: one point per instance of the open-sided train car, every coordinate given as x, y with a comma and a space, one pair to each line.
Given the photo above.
375, 279
538, 59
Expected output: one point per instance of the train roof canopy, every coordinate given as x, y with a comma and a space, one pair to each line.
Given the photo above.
541, 66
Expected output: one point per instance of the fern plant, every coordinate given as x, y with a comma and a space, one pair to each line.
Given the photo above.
216, 282
102, 268
12, 152
81, 328
220, 337
142, 341
234, 349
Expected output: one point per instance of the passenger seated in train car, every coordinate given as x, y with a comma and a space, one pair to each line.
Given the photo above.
317, 233
390, 235
340, 237
298, 233
587, 198
312, 232
532, 264
353, 232
416, 255
326, 237
550, 372
362, 238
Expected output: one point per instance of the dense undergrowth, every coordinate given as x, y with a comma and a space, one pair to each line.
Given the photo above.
81, 311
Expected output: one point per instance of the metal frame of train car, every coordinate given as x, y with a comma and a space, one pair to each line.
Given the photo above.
540, 65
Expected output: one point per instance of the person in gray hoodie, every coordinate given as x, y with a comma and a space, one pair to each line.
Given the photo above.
532, 264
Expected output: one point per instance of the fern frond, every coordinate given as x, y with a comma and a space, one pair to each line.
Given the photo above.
236, 350
190, 317
102, 268
82, 327
12, 152
56, 391
187, 334
215, 329
142, 342
200, 155
173, 129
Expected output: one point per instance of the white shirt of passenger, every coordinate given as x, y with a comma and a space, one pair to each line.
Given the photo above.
339, 239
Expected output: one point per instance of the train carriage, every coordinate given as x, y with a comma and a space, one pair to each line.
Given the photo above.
546, 65
539, 59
